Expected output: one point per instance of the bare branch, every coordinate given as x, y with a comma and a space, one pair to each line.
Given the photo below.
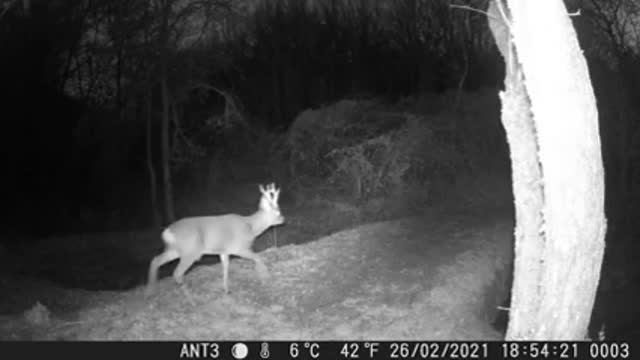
466, 7
576, 13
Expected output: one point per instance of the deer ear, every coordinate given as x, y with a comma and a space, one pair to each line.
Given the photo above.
262, 189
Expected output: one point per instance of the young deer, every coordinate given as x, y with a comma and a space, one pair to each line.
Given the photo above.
224, 235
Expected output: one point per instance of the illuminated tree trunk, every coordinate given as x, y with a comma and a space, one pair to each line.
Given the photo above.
551, 120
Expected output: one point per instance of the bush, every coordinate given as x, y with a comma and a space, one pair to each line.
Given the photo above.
369, 151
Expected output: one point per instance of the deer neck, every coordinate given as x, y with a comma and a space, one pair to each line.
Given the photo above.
259, 222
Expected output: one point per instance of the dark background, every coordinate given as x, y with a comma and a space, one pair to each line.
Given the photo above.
81, 90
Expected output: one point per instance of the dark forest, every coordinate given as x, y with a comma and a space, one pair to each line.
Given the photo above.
377, 121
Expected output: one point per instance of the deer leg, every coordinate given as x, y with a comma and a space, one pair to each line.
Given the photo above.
158, 261
178, 274
224, 259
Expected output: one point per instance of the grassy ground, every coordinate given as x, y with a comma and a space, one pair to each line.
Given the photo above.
438, 274
428, 277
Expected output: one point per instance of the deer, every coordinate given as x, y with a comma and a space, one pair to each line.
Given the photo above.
231, 234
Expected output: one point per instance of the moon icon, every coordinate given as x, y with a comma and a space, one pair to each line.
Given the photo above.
239, 351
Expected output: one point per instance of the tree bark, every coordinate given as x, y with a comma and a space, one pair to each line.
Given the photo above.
166, 103
551, 121
166, 150
153, 184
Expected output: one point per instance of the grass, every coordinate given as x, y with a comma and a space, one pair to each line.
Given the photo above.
416, 278
337, 273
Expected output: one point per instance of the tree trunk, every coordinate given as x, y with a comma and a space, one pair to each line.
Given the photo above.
551, 123
166, 151
165, 99
153, 186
